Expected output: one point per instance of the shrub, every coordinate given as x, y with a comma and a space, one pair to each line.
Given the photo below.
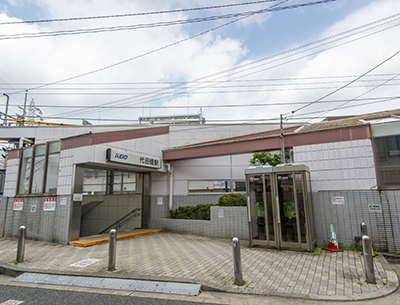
232, 199
202, 211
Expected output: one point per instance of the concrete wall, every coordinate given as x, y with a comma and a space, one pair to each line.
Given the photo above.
110, 209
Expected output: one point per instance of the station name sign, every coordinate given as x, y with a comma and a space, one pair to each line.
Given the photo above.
114, 155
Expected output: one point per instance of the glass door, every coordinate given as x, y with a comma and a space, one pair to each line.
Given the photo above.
261, 221
288, 213
256, 210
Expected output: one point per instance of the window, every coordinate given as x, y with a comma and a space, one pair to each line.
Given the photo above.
39, 163
101, 182
94, 181
25, 173
387, 154
38, 169
52, 167
215, 186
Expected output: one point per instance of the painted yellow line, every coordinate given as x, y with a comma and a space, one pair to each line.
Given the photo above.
103, 239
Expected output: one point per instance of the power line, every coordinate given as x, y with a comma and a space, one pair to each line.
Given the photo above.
146, 97
348, 84
139, 14
146, 53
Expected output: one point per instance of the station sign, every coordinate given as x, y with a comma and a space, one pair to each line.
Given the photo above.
114, 155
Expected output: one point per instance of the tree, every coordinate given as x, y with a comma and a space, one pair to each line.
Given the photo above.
264, 158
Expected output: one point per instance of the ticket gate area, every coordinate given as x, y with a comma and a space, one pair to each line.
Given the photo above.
279, 207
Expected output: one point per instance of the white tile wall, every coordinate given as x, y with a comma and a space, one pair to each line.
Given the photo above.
65, 172
345, 165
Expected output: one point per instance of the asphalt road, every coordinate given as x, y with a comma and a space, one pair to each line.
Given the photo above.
30, 295
45, 294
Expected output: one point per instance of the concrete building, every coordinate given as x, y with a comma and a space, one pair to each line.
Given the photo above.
79, 181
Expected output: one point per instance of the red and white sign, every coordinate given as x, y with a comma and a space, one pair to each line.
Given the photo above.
18, 204
49, 204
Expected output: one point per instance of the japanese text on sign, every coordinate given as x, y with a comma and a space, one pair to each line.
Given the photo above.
18, 204
49, 204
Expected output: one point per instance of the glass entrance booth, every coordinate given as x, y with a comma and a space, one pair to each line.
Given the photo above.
279, 207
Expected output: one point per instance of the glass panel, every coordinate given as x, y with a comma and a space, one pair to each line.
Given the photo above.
25, 171
257, 210
2, 175
387, 153
270, 215
208, 186
129, 183
287, 208
115, 182
52, 168
38, 169
94, 181
300, 207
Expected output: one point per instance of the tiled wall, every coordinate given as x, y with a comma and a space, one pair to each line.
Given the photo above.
65, 172
50, 226
345, 165
225, 222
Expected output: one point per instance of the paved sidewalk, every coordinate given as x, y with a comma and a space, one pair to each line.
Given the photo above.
209, 262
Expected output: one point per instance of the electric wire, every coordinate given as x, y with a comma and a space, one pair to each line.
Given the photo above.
158, 94
139, 14
144, 54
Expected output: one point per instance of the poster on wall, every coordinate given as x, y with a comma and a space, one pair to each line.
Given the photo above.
49, 204
337, 199
18, 204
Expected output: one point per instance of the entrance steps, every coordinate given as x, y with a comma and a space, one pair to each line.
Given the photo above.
103, 239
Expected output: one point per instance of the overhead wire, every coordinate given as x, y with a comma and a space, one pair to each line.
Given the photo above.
139, 14
158, 94
146, 53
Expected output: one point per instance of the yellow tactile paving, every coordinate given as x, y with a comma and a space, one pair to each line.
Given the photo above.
103, 239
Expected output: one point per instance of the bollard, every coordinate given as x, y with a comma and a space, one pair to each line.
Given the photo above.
21, 244
363, 229
237, 263
112, 251
368, 260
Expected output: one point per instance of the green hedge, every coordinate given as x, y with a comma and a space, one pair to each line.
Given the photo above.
202, 211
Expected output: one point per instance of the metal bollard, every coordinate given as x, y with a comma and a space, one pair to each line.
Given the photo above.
368, 260
21, 244
112, 251
363, 229
237, 263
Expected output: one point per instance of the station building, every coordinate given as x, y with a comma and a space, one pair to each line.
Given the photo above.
68, 182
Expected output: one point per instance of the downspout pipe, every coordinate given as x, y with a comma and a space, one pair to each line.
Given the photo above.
170, 169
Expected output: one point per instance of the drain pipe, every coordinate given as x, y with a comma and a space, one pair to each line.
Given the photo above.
170, 169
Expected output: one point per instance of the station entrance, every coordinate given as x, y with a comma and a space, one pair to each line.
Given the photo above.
111, 199
279, 207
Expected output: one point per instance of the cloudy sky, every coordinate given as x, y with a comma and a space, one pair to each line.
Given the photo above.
114, 61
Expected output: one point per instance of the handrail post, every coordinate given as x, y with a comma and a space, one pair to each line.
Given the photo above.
112, 251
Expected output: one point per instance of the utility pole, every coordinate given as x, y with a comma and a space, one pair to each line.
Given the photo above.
282, 142
6, 114
24, 111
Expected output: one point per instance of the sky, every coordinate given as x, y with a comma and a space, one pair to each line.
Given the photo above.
240, 61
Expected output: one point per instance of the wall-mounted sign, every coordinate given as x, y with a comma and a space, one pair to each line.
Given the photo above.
49, 204
18, 204
374, 208
114, 155
337, 199
33, 208
159, 201
77, 197
63, 201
